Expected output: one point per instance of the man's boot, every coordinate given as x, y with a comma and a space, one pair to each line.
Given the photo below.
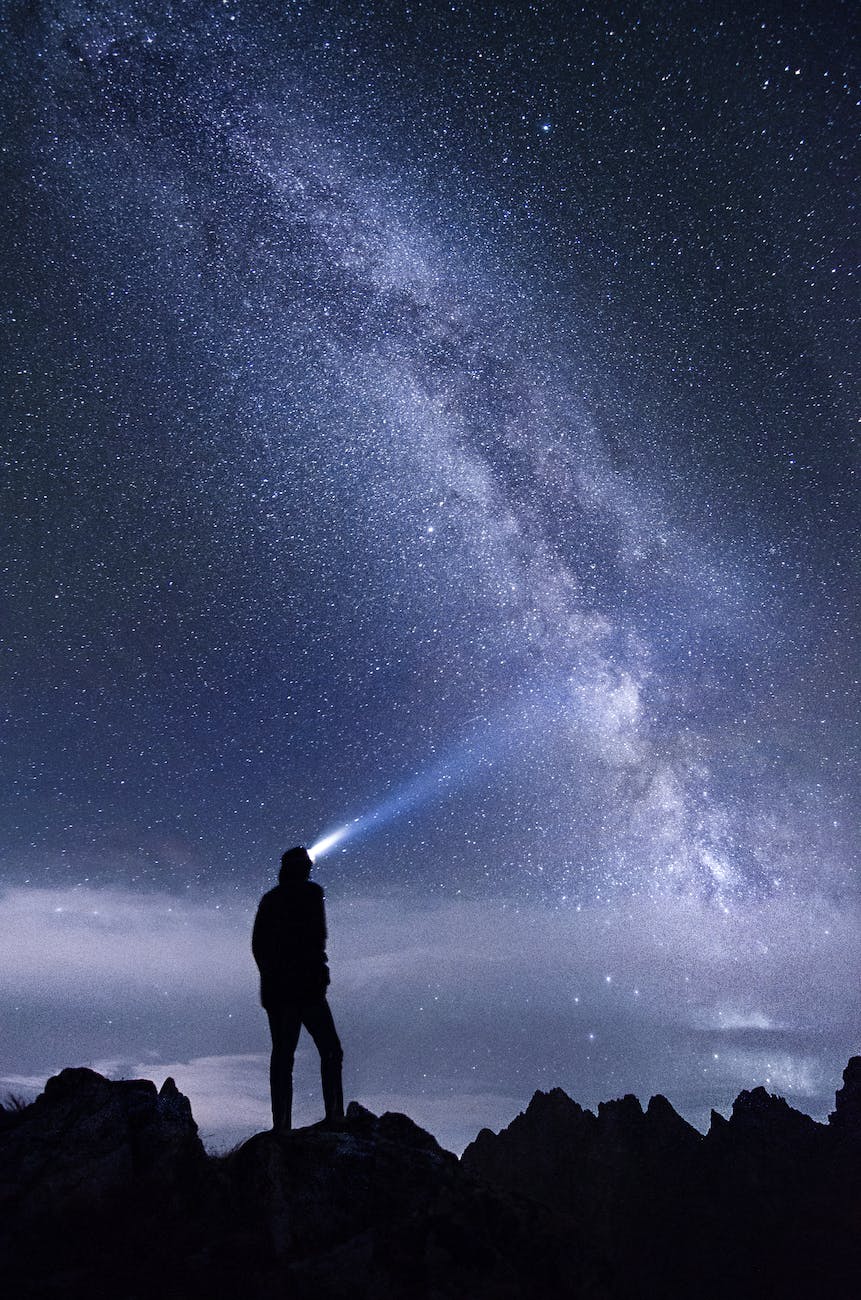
282, 1108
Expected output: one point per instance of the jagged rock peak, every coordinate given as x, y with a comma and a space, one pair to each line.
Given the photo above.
78, 1091
393, 1126
846, 1116
663, 1118
660, 1108
621, 1111
548, 1112
553, 1117
759, 1113
80, 1088
86, 1139
752, 1106
556, 1102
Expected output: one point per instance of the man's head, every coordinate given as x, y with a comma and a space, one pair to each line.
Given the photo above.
296, 866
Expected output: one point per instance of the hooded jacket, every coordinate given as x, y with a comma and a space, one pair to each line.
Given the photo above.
289, 944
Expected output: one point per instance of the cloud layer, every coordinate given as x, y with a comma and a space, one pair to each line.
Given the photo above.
454, 1012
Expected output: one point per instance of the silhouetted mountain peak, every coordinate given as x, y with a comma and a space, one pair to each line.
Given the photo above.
846, 1116
666, 1125
622, 1113
77, 1091
758, 1114
394, 1127
662, 1111
547, 1112
554, 1129
555, 1104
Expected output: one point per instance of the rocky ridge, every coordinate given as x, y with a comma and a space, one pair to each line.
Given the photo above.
106, 1190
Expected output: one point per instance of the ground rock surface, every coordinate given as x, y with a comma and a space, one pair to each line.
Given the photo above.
105, 1190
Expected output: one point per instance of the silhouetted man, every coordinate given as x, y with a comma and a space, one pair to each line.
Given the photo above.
289, 946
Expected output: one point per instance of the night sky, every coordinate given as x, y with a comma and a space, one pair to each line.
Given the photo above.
441, 416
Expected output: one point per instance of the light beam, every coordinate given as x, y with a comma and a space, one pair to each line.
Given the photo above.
479, 748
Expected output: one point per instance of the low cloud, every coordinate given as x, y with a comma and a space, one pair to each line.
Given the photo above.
454, 1012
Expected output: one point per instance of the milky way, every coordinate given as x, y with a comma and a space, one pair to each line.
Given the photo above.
438, 418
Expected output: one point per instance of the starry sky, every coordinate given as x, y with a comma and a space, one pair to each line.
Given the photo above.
437, 420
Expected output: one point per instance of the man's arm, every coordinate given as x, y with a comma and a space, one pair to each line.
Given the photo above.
316, 932
259, 935
317, 916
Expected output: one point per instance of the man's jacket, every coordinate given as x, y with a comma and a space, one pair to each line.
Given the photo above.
289, 944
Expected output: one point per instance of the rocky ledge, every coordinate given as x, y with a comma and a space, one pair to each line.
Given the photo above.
105, 1190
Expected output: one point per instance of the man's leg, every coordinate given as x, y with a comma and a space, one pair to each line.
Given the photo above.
317, 1018
285, 1023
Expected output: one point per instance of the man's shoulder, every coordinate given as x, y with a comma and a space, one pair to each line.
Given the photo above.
280, 895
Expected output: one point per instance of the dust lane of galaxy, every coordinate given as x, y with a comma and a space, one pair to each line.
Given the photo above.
428, 435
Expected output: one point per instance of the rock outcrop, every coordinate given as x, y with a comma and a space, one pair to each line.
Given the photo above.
767, 1202
845, 1119
86, 1139
105, 1190
95, 1175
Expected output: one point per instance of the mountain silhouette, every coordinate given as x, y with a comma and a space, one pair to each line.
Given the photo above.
106, 1190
